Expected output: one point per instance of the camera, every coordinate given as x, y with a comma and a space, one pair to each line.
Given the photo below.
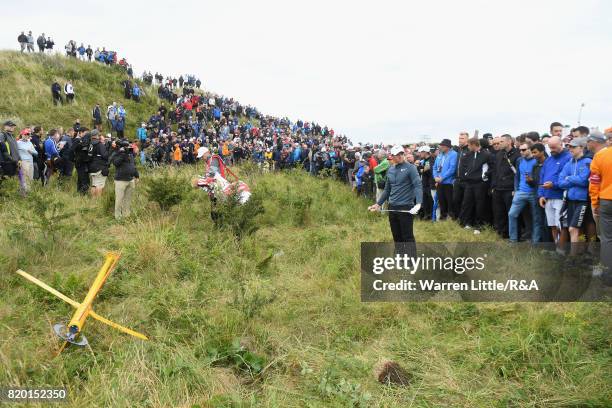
125, 145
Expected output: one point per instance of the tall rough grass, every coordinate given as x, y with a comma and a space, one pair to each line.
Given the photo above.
272, 319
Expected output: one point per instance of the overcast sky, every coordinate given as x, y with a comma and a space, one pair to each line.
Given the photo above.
380, 70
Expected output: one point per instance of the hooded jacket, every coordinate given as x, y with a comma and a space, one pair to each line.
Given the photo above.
380, 172
142, 134
574, 178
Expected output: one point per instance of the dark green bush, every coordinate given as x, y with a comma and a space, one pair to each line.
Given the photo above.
240, 219
167, 190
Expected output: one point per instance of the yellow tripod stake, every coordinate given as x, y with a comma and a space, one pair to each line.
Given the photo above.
72, 333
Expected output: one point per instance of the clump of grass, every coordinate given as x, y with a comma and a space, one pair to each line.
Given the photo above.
238, 357
250, 299
107, 201
332, 386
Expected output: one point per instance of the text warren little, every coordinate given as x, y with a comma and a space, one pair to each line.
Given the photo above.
472, 285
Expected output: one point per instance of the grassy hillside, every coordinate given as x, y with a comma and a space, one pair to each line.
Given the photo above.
272, 320
289, 294
25, 80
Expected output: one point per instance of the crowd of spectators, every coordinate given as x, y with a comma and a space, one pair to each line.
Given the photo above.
531, 187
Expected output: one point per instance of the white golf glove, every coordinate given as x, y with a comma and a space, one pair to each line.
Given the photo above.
414, 210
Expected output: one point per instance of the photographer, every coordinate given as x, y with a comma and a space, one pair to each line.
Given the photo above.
125, 177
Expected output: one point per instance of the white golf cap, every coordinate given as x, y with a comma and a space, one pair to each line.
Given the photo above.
397, 149
424, 149
202, 151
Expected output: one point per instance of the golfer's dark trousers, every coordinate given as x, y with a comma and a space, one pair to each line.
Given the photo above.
401, 223
445, 199
502, 201
401, 227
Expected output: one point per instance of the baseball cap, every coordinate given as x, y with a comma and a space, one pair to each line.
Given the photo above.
9, 123
424, 149
397, 149
596, 136
579, 142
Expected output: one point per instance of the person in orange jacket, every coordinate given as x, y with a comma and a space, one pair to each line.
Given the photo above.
600, 191
177, 157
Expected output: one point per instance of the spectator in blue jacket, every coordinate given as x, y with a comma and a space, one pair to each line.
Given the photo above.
296, 154
141, 134
525, 194
550, 194
574, 178
359, 175
120, 127
445, 168
52, 156
81, 51
136, 93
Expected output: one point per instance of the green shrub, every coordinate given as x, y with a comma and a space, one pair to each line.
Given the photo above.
240, 219
48, 214
167, 190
